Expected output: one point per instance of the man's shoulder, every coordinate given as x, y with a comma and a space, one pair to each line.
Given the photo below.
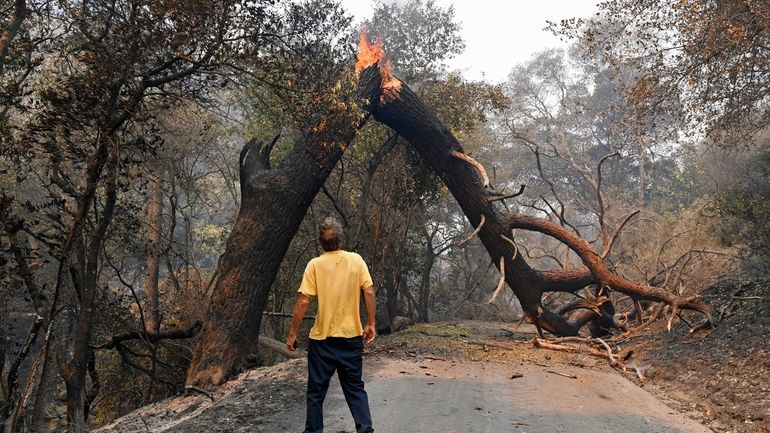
354, 255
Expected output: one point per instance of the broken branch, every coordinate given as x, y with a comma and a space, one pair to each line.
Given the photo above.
508, 196
174, 334
467, 158
476, 231
501, 283
615, 234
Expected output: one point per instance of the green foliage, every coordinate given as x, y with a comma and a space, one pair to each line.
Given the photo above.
749, 212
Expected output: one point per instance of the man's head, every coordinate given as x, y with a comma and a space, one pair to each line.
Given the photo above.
330, 234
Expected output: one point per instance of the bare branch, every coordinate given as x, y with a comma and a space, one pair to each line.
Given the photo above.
467, 158
592, 260
509, 196
151, 337
473, 234
513, 244
13, 372
602, 226
608, 244
500, 283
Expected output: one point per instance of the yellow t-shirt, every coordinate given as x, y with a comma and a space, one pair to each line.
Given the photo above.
336, 278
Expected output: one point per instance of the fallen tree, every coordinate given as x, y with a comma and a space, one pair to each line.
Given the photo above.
394, 104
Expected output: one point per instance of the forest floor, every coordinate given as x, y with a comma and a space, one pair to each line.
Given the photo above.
473, 376
462, 376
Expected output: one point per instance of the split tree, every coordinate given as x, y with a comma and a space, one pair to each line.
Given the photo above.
276, 199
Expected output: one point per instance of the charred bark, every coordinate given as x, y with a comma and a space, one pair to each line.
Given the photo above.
274, 202
401, 109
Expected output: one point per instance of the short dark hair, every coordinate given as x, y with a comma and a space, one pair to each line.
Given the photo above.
330, 234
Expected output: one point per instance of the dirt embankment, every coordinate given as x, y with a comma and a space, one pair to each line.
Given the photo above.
720, 376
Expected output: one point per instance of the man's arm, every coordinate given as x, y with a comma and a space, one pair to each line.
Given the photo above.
299, 312
370, 333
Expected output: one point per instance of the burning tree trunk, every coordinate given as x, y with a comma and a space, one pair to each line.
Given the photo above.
273, 203
397, 106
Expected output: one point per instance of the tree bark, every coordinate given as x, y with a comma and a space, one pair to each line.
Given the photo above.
274, 202
74, 356
418, 124
424, 291
151, 309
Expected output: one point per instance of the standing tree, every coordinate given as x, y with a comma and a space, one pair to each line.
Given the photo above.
275, 197
79, 130
705, 61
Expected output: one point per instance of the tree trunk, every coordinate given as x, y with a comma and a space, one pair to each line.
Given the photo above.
74, 355
274, 202
424, 294
151, 308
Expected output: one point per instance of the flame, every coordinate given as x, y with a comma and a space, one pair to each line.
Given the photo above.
370, 54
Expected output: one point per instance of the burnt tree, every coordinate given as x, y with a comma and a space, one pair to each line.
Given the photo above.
397, 106
274, 201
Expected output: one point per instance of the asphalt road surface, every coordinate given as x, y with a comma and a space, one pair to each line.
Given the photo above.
436, 396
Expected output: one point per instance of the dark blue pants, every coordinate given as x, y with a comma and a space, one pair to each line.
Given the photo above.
345, 356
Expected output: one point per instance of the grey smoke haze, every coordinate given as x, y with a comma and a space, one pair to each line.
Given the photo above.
498, 33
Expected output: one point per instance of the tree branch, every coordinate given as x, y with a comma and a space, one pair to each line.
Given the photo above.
173, 334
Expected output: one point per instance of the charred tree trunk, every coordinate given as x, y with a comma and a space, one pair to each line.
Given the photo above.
274, 202
401, 109
73, 356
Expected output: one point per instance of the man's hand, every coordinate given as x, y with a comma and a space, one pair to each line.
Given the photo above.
370, 333
291, 342
371, 308
299, 311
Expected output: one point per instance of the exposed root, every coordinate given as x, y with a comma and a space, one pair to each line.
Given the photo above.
473, 162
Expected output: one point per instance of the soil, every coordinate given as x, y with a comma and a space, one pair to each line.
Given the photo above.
719, 376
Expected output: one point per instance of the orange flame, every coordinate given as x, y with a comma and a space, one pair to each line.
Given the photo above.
370, 54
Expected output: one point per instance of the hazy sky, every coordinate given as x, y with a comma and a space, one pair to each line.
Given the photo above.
499, 33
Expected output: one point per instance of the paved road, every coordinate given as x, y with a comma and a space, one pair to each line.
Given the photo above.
433, 396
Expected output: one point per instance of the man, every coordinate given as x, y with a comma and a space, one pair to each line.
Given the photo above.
336, 278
